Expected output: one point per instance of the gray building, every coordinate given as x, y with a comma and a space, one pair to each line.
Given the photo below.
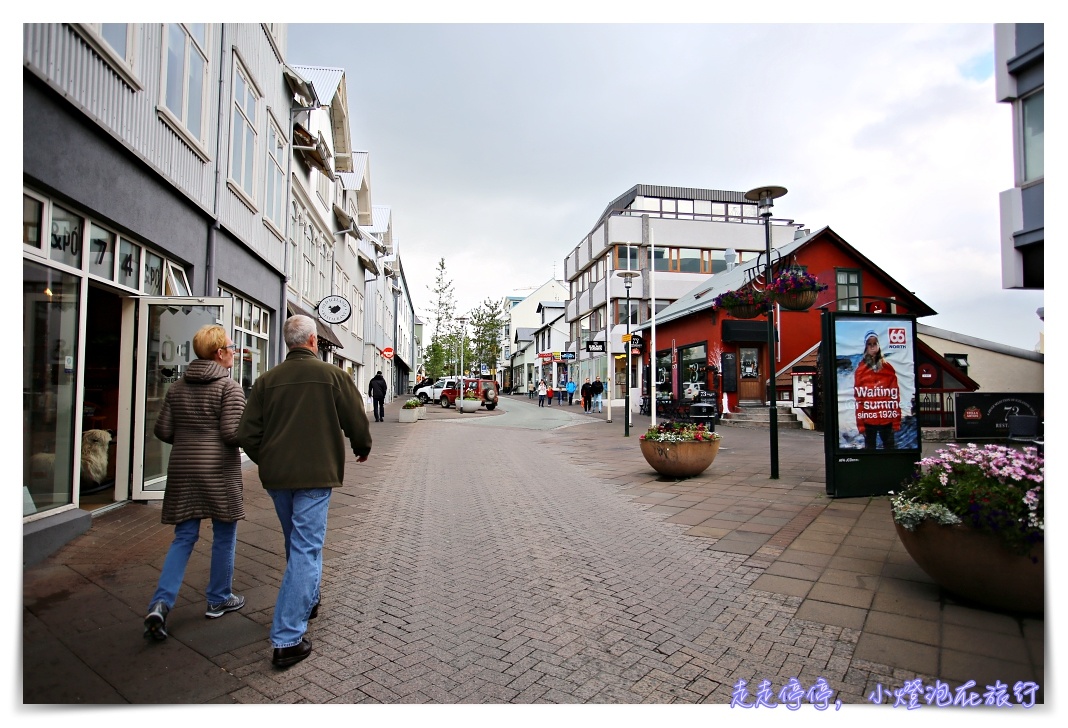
1019, 81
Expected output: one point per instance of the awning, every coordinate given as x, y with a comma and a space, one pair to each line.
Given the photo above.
326, 336
313, 148
368, 261
745, 331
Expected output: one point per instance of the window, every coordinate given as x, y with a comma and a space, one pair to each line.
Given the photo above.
621, 311
627, 257
1032, 137
116, 44
102, 252
32, 214
185, 69
66, 237
275, 184
323, 187
847, 289
243, 137
958, 360
251, 334
357, 312
690, 260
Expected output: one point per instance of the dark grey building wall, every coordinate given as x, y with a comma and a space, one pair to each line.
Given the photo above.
67, 156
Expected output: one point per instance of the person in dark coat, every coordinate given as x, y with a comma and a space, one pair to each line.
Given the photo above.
298, 416
377, 388
587, 395
199, 419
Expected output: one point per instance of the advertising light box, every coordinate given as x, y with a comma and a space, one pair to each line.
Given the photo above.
871, 430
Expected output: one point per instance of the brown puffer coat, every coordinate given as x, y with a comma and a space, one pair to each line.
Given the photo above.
199, 418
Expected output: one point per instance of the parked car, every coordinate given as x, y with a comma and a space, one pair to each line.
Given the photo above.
485, 388
432, 392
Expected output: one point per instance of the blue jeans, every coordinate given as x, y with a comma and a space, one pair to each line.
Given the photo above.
221, 579
302, 514
597, 401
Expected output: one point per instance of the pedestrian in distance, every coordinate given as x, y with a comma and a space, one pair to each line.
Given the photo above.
542, 389
530, 389
298, 416
378, 388
597, 388
549, 393
570, 392
560, 392
587, 395
199, 419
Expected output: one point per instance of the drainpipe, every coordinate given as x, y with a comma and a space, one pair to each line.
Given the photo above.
210, 280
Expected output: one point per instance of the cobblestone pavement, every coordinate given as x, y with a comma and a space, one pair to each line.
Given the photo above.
502, 565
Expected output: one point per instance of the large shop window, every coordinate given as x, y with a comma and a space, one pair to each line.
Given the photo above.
50, 304
252, 326
693, 370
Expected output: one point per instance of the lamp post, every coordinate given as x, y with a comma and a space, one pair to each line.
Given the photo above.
463, 333
764, 197
628, 276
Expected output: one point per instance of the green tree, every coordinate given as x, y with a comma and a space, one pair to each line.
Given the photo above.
442, 353
487, 324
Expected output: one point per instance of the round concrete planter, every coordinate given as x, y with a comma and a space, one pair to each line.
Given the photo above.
469, 405
978, 566
679, 459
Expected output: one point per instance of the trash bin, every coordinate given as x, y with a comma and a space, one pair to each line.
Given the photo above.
703, 412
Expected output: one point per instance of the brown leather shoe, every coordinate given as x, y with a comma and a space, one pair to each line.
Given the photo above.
286, 656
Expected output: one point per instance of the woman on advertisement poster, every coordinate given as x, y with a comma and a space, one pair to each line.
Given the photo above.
877, 395
876, 385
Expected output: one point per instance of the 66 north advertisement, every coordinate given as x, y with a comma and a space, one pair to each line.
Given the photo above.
870, 389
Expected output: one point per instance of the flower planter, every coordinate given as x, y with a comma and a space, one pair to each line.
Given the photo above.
680, 459
745, 311
469, 405
977, 566
408, 415
420, 413
800, 300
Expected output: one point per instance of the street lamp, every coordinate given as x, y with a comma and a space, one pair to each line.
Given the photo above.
764, 197
628, 276
463, 332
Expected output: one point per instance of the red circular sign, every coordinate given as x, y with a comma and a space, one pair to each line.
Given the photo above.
928, 374
387, 353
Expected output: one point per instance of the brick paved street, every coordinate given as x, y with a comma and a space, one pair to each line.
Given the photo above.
472, 562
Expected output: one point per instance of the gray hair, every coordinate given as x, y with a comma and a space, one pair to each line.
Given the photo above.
296, 330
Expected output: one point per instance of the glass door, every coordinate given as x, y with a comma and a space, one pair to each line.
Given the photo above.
164, 348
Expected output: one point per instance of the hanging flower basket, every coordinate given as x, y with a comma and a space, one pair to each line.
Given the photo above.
795, 290
745, 303
797, 300
745, 311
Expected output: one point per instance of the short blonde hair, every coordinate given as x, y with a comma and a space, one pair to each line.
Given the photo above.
208, 340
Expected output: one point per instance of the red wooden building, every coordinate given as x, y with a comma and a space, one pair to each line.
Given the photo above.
702, 350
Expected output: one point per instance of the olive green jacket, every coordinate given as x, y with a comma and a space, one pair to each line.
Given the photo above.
296, 419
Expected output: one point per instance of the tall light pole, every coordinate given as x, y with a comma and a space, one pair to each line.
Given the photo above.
628, 277
764, 197
463, 333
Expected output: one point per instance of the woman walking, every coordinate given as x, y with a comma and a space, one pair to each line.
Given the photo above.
199, 418
587, 395
541, 393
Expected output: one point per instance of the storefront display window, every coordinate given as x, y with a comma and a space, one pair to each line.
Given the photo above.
694, 370
663, 374
50, 305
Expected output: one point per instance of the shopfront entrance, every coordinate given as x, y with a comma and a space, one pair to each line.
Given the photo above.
751, 385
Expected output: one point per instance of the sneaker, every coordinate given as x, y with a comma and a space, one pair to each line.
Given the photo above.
230, 605
156, 621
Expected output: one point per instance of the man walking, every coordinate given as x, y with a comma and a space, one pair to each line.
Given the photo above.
294, 427
377, 388
598, 392
587, 395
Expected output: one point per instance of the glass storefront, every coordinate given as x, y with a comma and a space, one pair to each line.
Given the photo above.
51, 301
693, 370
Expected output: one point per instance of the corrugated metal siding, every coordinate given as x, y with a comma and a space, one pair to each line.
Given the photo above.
58, 55
259, 60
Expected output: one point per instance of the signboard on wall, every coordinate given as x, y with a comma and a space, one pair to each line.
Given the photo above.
986, 416
871, 429
730, 372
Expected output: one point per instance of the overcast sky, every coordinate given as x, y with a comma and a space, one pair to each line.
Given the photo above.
497, 146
